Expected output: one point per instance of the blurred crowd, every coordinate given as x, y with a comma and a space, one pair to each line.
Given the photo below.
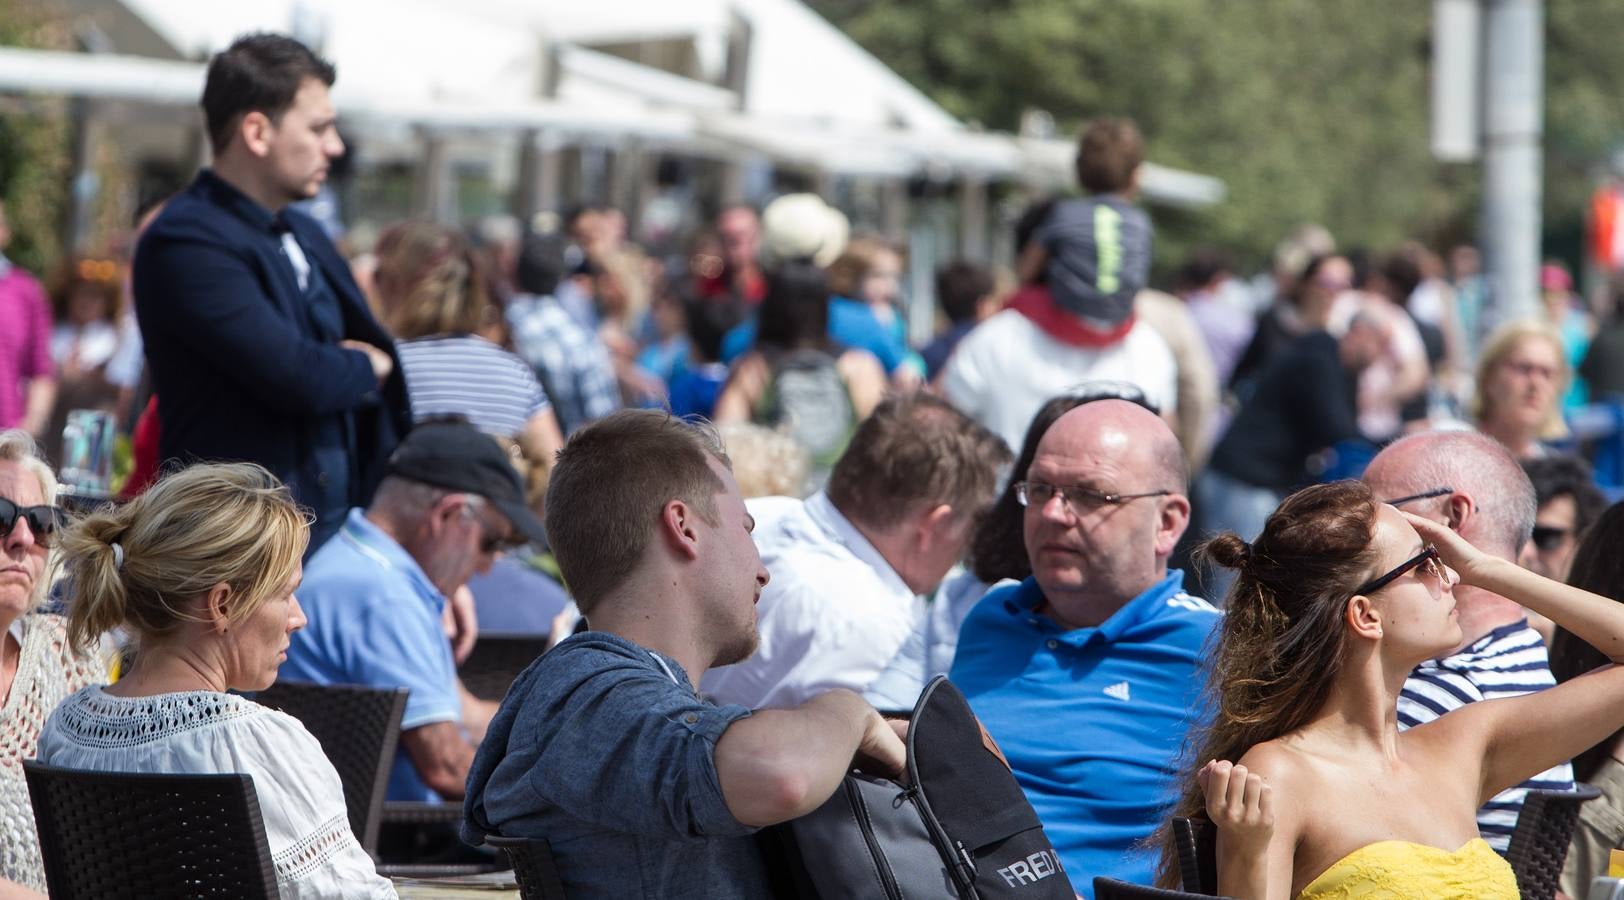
349, 461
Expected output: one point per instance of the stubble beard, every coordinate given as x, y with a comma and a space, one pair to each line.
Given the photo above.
740, 648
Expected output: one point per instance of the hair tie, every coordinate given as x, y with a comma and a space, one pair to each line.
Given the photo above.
118, 555
1246, 553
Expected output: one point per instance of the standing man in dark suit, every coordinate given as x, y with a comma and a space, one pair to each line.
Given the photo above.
260, 342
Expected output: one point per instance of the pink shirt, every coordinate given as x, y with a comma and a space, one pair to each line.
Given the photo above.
25, 341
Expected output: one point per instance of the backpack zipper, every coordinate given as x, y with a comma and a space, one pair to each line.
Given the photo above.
888, 880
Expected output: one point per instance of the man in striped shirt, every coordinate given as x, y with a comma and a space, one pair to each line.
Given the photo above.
1469, 482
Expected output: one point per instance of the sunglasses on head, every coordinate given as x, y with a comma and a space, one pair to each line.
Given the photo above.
43, 521
1547, 537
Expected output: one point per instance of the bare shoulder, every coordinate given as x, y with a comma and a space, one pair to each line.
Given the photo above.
1282, 766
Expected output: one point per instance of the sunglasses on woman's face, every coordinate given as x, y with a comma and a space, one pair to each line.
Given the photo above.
43, 521
1427, 561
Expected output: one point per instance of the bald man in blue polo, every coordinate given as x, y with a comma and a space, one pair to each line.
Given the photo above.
1089, 672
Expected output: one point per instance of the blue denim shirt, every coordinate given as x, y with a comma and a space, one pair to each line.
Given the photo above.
603, 748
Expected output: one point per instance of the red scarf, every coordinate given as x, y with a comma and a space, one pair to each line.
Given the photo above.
1034, 302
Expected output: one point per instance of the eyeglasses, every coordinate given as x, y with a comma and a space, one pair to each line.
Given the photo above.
1427, 559
1549, 537
1077, 498
43, 521
1529, 370
1424, 495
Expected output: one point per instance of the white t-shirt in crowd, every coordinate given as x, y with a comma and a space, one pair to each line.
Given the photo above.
833, 615
1008, 367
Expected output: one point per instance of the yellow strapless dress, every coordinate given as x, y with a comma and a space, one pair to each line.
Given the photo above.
1401, 870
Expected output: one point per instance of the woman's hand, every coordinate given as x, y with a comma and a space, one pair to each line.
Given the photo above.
1239, 803
1455, 552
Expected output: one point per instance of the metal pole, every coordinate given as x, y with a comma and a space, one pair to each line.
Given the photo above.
1514, 99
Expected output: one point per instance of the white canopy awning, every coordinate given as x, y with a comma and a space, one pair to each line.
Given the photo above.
813, 98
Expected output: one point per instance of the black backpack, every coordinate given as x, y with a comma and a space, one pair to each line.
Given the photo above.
962, 830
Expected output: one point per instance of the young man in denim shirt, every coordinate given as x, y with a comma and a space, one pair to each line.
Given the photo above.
603, 747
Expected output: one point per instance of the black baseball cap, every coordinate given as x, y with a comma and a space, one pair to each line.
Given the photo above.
459, 457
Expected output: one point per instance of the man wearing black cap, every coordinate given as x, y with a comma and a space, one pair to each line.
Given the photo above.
374, 595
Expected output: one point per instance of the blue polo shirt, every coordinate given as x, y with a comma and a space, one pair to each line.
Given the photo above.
1092, 720
374, 620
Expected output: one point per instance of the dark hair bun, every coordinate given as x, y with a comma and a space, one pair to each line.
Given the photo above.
1227, 550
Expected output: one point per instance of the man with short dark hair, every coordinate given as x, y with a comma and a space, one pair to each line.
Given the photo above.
603, 747
967, 296
1089, 672
375, 594
1568, 503
849, 562
260, 342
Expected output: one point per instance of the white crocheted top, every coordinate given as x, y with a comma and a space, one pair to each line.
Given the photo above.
314, 851
47, 671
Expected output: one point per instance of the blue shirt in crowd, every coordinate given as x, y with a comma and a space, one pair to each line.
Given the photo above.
603, 748
1092, 720
851, 324
374, 620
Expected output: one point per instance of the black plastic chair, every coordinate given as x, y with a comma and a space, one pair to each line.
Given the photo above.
533, 866
1112, 889
116, 835
496, 660
358, 728
1198, 854
1539, 845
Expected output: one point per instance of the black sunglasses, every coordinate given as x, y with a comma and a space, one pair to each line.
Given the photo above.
43, 521
1375, 584
1548, 538
1424, 495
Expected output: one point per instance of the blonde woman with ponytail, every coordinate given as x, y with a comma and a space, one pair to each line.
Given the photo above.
201, 570
1314, 791
38, 665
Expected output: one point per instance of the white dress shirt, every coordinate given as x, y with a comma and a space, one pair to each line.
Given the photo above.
833, 615
930, 648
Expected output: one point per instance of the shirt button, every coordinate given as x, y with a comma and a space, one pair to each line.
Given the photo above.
1052, 644
691, 718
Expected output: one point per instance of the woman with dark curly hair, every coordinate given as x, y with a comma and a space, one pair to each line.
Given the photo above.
1334, 604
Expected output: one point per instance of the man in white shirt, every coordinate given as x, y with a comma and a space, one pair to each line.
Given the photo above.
848, 563
1013, 363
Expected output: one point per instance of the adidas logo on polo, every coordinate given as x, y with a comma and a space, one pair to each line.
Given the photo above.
1119, 691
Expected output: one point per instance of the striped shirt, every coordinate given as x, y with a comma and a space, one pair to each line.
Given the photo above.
1507, 662
471, 377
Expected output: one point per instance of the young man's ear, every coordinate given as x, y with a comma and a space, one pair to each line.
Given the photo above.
678, 530
255, 132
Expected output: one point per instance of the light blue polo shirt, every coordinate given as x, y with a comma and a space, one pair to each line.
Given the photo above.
374, 620
1092, 720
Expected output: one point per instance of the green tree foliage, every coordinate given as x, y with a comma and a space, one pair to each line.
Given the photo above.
35, 161
1309, 110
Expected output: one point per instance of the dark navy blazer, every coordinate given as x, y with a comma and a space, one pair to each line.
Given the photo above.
240, 371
